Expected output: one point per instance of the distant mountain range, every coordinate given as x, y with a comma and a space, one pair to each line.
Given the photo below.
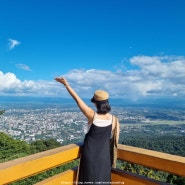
161, 102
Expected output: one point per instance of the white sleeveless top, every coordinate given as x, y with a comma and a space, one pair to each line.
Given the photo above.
100, 122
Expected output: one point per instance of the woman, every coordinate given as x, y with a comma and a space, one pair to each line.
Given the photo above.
95, 163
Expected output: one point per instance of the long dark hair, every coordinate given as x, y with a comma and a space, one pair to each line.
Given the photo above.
103, 108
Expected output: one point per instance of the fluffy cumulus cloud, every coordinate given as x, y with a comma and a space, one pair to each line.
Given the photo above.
150, 77
12, 86
162, 76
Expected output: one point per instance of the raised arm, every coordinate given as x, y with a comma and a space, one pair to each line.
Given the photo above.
86, 110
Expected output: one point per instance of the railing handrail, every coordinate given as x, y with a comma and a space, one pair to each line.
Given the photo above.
27, 166
157, 160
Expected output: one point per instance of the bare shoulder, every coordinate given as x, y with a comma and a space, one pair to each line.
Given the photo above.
89, 113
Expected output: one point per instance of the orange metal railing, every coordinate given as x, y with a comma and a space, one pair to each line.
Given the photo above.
21, 168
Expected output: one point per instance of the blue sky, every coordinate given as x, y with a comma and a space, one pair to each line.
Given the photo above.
132, 48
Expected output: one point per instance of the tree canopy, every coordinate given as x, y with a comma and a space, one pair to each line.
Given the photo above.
2, 112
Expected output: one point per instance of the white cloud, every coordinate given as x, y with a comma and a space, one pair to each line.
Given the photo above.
152, 77
13, 43
23, 66
12, 86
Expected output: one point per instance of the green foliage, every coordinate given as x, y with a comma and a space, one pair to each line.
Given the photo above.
150, 173
147, 172
172, 144
2, 112
43, 145
173, 179
11, 148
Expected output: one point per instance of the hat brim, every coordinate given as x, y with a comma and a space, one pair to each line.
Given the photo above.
99, 102
93, 100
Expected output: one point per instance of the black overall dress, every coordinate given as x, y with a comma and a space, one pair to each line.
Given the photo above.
95, 163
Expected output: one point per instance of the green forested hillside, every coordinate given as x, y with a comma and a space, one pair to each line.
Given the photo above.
11, 148
172, 144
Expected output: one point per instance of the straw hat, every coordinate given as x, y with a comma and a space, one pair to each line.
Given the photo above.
99, 96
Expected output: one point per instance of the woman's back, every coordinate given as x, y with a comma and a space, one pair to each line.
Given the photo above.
95, 163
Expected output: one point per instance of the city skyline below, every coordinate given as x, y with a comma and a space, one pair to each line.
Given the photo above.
63, 121
132, 49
